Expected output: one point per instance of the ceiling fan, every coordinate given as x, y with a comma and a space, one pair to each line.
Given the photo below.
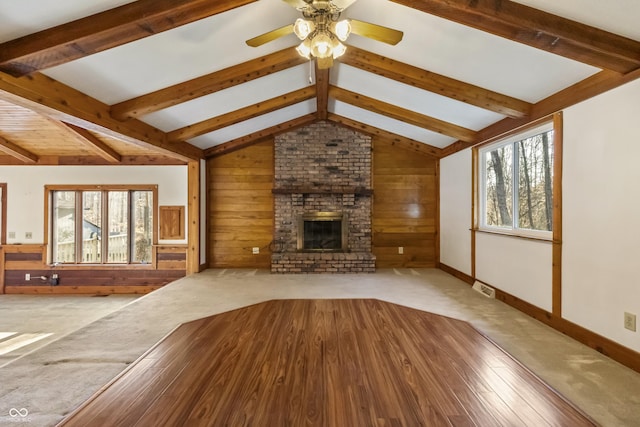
322, 31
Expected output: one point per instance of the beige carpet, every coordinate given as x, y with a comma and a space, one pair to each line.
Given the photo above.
54, 380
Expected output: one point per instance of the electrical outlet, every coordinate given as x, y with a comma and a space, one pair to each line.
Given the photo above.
400, 250
28, 235
630, 321
256, 251
27, 276
12, 234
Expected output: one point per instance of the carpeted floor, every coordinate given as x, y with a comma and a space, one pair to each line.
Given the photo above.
54, 380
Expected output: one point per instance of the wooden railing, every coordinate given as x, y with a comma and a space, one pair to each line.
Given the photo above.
91, 249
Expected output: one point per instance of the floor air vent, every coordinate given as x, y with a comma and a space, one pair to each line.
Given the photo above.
485, 290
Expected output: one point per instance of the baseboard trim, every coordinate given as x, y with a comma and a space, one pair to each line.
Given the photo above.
456, 273
609, 348
80, 290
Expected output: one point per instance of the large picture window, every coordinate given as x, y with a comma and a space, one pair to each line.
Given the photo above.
102, 225
516, 183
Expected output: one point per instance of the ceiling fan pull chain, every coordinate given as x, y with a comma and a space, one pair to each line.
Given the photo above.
310, 70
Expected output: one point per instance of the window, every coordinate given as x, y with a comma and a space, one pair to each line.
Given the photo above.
102, 225
516, 177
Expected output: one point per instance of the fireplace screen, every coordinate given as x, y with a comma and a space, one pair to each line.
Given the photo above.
322, 231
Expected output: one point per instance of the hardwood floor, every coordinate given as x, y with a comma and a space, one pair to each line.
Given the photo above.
326, 363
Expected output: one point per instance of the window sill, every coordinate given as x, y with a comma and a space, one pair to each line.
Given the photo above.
101, 266
515, 235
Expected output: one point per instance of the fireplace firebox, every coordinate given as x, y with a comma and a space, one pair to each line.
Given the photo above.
322, 232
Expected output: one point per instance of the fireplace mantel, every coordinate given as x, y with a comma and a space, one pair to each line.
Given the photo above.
358, 191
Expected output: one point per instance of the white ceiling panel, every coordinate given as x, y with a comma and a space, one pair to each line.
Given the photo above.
231, 99
617, 16
410, 98
466, 54
395, 126
175, 56
254, 125
22, 17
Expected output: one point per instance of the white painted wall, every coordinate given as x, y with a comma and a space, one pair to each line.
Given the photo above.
25, 190
455, 211
601, 209
601, 249
520, 267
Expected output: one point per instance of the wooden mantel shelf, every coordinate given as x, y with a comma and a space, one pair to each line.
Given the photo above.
358, 191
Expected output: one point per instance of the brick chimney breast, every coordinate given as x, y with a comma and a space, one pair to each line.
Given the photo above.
323, 168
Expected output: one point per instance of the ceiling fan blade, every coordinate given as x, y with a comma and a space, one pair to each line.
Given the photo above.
342, 4
270, 36
376, 32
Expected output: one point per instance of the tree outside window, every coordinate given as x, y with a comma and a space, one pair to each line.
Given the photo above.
116, 226
517, 177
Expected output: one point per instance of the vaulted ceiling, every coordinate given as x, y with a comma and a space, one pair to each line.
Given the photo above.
160, 81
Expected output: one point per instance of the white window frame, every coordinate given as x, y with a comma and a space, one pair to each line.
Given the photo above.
482, 188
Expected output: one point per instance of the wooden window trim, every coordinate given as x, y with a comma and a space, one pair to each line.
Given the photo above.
556, 241
479, 188
3, 225
48, 218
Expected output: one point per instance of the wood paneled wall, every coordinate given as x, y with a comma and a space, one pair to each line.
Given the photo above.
241, 213
17, 260
404, 207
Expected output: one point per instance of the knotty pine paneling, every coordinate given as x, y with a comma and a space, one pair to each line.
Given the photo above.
404, 207
241, 212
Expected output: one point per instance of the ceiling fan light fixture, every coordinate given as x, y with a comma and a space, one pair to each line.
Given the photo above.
304, 49
322, 45
321, 30
338, 50
342, 29
302, 28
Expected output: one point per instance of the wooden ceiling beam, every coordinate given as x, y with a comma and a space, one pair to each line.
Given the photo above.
581, 91
401, 114
539, 29
51, 98
436, 83
104, 30
17, 152
242, 114
94, 144
259, 136
400, 141
322, 91
207, 84
53, 160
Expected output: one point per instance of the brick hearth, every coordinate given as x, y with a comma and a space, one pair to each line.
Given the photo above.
322, 168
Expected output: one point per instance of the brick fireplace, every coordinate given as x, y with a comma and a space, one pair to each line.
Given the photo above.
322, 173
